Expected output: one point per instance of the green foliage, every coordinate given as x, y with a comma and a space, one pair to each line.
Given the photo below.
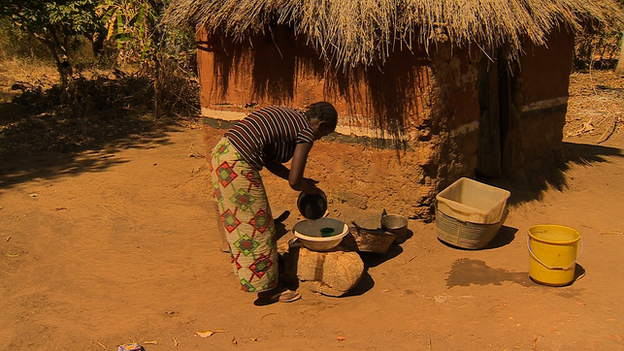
597, 47
134, 26
128, 30
55, 23
17, 43
67, 17
166, 55
74, 17
126, 24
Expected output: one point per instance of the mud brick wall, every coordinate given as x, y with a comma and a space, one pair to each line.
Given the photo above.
540, 97
408, 130
454, 118
403, 134
368, 177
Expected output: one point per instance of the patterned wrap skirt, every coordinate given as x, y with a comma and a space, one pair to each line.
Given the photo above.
246, 217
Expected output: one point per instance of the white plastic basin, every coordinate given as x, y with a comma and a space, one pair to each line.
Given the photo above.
310, 235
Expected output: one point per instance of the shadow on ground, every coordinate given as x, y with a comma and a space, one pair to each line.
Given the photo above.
531, 183
372, 259
365, 284
465, 272
55, 132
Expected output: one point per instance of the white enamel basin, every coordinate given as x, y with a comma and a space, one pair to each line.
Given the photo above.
310, 235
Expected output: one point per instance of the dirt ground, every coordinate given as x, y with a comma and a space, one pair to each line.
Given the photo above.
117, 244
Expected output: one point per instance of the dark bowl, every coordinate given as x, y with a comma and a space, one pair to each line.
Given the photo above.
312, 206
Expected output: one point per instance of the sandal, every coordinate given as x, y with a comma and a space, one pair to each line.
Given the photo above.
284, 296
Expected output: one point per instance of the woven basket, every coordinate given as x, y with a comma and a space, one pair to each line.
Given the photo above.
369, 240
464, 234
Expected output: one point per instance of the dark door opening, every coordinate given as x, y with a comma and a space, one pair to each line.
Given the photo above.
489, 159
494, 153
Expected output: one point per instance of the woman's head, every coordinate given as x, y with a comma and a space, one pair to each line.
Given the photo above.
323, 118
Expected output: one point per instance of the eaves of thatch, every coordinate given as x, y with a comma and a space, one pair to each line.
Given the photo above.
349, 33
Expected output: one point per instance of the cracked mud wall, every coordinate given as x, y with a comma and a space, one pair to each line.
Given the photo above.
406, 130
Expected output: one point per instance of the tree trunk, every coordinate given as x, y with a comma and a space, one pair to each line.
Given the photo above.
62, 62
158, 84
619, 69
62, 65
97, 41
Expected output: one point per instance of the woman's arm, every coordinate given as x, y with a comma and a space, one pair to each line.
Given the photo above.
297, 168
277, 168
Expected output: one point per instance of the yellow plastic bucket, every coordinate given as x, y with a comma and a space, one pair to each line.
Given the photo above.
553, 250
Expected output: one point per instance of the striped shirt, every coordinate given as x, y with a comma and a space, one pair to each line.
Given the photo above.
271, 133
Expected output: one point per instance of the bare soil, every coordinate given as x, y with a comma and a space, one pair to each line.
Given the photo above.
117, 243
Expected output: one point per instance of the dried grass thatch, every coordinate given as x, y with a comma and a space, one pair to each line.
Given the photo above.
361, 32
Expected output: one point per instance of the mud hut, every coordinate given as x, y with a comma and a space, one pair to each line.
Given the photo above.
427, 91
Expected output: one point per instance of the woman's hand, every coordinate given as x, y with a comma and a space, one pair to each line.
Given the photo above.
310, 186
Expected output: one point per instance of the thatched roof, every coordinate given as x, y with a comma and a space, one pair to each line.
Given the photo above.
354, 32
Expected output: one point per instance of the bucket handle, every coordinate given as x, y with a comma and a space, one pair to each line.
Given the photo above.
555, 268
